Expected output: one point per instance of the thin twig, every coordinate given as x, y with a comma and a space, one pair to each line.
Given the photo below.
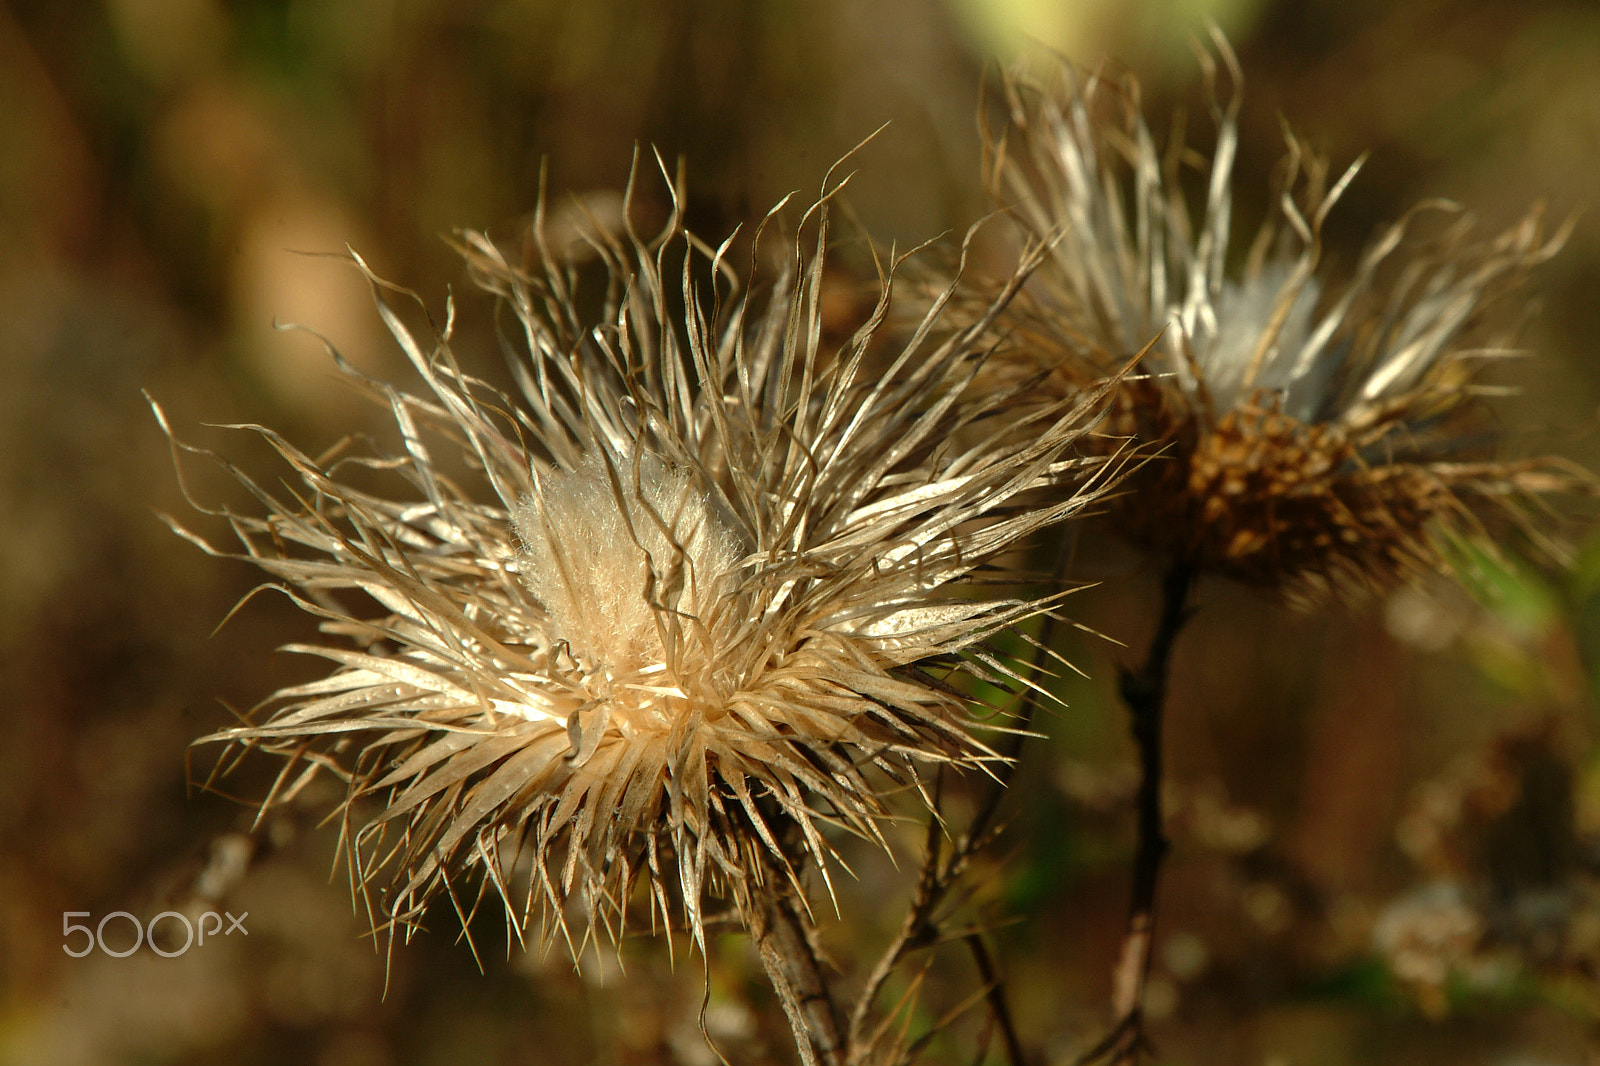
994, 986
940, 871
915, 929
1145, 693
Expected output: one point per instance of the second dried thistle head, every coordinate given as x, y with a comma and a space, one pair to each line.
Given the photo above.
1314, 434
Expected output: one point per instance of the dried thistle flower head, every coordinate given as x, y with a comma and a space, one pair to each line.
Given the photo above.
694, 613
1311, 430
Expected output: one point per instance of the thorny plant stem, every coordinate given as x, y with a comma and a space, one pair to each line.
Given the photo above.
916, 930
941, 870
1145, 693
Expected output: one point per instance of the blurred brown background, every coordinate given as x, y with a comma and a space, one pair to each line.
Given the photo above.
1384, 818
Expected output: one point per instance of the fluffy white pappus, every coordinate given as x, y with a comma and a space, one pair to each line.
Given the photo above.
609, 547
715, 591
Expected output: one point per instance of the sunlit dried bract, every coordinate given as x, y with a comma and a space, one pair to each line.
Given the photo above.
691, 596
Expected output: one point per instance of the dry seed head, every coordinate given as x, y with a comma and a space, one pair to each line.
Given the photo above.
1311, 431
691, 615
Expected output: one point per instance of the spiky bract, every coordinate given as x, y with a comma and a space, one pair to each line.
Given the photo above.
1310, 432
691, 613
